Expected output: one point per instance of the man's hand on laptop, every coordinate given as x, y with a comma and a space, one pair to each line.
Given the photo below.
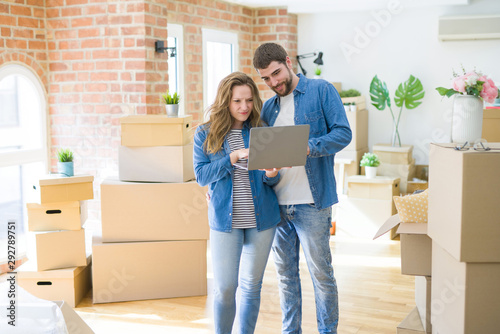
272, 172
238, 154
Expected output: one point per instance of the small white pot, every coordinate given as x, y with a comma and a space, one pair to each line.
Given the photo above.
370, 172
353, 107
347, 108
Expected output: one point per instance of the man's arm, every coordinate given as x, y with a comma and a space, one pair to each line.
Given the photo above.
339, 132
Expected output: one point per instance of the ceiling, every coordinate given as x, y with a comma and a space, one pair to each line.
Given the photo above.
322, 6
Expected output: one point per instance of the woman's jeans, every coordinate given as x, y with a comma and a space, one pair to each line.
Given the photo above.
304, 225
243, 253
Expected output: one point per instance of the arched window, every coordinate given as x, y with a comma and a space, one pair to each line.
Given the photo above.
23, 149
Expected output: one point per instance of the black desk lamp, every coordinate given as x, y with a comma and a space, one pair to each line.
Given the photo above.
318, 60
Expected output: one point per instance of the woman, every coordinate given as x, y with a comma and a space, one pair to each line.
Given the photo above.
243, 209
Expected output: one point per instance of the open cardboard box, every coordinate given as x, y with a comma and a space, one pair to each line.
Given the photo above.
416, 246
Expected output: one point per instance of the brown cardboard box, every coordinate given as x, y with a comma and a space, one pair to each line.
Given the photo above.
423, 300
347, 164
337, 85
70, 284
491, 125
380, 187
56, 216
360, 101
156, 130
405, 172
358, 121
394, 155
464, 205
361, 218
416, 247
148, 270
156, 163
54, 188
411, 324
465, 296
413, 186
60, 249
153, 211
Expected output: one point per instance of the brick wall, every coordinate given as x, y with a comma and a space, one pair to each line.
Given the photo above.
97, 63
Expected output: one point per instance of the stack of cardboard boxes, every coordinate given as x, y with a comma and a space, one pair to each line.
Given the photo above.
60, 268
347, 161
154, 219
464, 227
396, 162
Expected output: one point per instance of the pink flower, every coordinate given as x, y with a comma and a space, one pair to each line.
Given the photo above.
459, 84
490, 91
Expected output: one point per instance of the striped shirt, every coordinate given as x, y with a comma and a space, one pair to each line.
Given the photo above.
243, 209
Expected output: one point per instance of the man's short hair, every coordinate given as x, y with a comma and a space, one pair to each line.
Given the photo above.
267, 53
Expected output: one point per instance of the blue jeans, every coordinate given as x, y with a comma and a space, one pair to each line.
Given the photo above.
305, 225
244, 252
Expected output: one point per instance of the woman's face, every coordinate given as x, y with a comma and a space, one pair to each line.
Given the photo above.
241, 105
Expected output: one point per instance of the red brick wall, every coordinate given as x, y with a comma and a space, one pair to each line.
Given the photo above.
97, 63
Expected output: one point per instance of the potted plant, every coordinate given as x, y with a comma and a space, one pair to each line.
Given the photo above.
347, 107
353, 107
171, 103
349, 93
370, 161
408, 94
65, 162
317, 73
470, 90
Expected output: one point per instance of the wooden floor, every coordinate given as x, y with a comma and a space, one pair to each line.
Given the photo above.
373, 296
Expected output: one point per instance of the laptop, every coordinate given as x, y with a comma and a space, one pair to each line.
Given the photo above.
277, 147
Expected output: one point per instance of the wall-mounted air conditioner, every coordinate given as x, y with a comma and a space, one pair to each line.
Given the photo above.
469, 27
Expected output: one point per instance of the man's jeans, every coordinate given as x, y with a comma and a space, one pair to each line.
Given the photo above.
244, 252
305, 225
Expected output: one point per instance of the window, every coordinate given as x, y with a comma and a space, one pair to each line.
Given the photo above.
220, 52
176, 63
23, 148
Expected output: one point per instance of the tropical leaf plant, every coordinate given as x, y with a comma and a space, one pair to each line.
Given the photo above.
409, 94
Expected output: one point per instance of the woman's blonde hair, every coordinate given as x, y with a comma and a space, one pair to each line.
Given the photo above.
220, 122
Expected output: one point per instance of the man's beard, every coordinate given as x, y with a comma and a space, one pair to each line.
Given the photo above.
288, 84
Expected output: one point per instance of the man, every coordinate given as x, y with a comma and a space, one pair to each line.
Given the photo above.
306, 193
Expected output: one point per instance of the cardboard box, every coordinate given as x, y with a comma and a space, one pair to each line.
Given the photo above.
153, 211
394, 155
416, 246
422, 172
361, 218
423, 300
358, 121
465, 296
54, 188
156, 163
491, 125
148, 270
156, 130
347, 164
380, 187
69, 285
464, 205
360, 101
61, 249
337, 85
413, 186
411, 324
405, 172
56, 216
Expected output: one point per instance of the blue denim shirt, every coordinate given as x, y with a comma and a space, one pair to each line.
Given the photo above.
216, 171
318, 104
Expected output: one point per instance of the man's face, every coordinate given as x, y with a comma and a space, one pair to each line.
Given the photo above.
278, 77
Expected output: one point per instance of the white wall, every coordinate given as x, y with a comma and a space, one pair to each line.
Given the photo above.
407, 44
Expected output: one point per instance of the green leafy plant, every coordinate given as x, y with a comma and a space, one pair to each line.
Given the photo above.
369, 160
409, 94
170, 99
65, 155
350, 93
317, 71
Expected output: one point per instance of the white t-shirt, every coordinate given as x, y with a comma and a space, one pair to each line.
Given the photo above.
293, 187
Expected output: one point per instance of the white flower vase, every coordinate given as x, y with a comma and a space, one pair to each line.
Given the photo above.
467, 119
370, 172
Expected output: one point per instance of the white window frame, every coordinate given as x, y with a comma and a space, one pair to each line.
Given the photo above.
177, 31
26, 156
211, 35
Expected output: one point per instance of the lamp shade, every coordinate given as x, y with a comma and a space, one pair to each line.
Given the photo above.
319, 60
